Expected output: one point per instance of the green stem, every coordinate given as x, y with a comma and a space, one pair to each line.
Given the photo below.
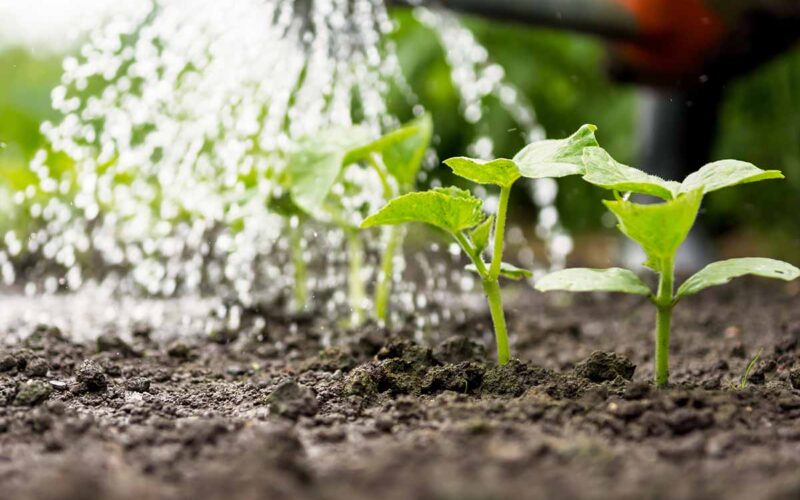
499, 230
355, 287
388, 191
492, 290
384, 287
664, 304
299, 264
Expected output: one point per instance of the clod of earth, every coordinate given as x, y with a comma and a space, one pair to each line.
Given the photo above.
32, 393
513, 378
794, 378
7, 362
292, 400
179, 350
138, 384
459, 348
91, 377
605, 366
108, 342
37, 367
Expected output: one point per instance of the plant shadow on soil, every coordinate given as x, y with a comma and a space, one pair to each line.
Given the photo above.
272, 413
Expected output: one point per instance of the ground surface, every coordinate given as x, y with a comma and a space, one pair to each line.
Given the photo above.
266, 412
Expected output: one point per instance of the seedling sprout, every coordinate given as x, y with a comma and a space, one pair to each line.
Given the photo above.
660, 229
313, 171
461, 215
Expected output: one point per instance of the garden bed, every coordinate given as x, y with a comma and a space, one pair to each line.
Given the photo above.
270, 412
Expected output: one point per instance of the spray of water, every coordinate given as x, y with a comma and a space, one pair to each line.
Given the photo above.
178, 119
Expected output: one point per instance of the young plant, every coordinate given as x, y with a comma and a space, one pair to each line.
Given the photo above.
460, 214
313, 171
660, 229
746, 375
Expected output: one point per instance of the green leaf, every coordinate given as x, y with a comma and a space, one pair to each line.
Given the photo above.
507, 270
451, 209
556, 157
580, 279
403, 158
284, 206
602, 170
726, 173
315, 166
500, 172
402, 150
480, 235
719, 273
658, 228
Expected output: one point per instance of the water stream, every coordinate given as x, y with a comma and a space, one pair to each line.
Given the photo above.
177, 119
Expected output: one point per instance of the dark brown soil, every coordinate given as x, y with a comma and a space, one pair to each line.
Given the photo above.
268, 412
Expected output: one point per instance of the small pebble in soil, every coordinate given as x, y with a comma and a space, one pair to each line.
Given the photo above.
141, 331
236, 370
32, 393
291, 400
91, 377
178, 350
138, 384
794, 378
605, 366
59, 385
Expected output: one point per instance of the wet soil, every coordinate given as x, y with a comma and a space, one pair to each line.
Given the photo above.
293, 407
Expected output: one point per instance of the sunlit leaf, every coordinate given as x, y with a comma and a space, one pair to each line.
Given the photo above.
500, 172
602, 170
314, 168
403, 158
581, 279
556, 157
659, 228
507, 270
451, 209
719, 273
480, 235
402, 150
726, 173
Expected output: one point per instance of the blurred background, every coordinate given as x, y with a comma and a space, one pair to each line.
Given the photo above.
563, 75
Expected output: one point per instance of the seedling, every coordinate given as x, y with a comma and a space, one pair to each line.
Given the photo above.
660, 229
313, 171
460, 214
746, 375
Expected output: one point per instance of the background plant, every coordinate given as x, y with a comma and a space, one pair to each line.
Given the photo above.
660, 229
331, 178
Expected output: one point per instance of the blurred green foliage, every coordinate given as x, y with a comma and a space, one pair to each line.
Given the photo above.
562, 75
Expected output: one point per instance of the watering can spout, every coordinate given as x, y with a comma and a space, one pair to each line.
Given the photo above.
661, 39
607, 18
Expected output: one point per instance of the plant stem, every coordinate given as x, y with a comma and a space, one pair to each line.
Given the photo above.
492, 290
499, 230
299, 264
384, 287
355, 287
664, 305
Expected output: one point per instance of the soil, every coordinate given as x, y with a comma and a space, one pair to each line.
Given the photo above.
293, 407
